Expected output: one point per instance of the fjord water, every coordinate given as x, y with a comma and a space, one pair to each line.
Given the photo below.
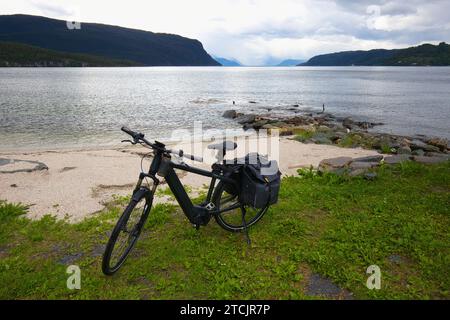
85, 107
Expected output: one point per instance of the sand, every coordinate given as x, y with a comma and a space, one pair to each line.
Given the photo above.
78, 183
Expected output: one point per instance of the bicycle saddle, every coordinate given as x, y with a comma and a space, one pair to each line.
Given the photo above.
224, 146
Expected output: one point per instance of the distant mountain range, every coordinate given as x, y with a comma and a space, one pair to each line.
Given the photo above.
290, 63
104, 41
228, 62
423, 55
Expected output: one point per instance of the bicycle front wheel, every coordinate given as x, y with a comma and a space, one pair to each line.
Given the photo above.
230, 216
126, 232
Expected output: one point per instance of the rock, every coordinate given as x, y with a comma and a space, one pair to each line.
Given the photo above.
13, 185
397, 159
334, 164
356, 172
418, 152
280, 124
376, 158
418, 144
284, 133
354, 165
337, 135
268, 126
323, 128
442, 144
321, 140
17, 165
230, 114
429, 160
324, 287
370, 176
252, 102
297, 121
404, 150
436, 154
348, 123
259, 124
367, 125
248, 118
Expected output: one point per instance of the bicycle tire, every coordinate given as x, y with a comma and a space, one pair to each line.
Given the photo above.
254, 214
121, 226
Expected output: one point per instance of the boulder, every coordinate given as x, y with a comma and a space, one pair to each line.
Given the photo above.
334, 164
284, 133
247, 118
429, 160
397, 159
259, 124
268, 126
348, 123
337, 135
230, 114
442, 144
280, 124
355, 165
418, 152
419, 144
320, 139
404, 150
436, 154
376, 158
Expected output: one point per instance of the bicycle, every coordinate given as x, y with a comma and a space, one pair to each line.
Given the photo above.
222, 200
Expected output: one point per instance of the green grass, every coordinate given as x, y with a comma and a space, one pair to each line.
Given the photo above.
334, 226
304, 136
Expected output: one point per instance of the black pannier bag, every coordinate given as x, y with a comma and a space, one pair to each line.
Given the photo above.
259, 181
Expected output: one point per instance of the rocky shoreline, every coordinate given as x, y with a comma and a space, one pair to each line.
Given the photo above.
325, 128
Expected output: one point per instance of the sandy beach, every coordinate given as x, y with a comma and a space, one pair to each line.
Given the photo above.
78, 183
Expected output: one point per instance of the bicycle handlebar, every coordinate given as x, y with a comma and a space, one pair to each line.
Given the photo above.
181, 153
137, 137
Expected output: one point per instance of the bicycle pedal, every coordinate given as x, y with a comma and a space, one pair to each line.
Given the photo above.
210, 206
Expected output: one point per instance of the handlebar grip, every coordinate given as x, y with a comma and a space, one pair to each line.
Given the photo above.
194, 158
127, 130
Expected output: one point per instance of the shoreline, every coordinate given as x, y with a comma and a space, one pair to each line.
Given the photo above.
79, 183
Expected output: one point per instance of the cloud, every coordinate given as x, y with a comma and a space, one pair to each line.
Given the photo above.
53, 9
262, 31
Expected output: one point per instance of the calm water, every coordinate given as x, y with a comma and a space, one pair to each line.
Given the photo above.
42, 107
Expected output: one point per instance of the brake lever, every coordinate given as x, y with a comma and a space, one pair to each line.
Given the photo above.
132, 142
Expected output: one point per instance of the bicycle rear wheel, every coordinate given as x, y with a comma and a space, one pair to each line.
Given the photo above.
231, 217
126, 232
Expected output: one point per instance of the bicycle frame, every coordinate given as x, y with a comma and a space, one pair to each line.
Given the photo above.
196, 214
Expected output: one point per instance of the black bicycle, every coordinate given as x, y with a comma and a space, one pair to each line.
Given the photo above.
222, 201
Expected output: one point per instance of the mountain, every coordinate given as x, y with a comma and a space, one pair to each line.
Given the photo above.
23, 55
423, 55
290, 63
228, 62
112, 42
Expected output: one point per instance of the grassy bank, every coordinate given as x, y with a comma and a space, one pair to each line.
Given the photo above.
325, 227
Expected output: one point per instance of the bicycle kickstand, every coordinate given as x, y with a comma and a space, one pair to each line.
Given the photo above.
245, 225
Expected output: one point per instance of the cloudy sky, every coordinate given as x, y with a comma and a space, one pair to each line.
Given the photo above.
263, 31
